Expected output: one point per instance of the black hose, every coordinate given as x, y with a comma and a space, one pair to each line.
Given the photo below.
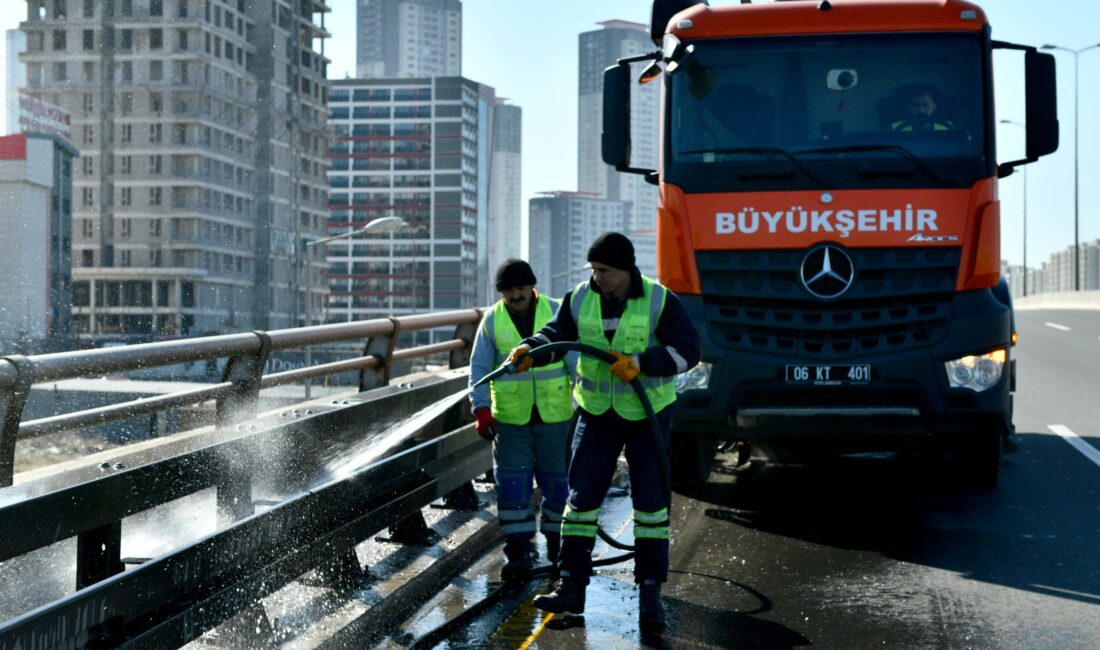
443, 631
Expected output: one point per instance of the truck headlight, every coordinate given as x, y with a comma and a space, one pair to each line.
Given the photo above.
697, 378
976, 372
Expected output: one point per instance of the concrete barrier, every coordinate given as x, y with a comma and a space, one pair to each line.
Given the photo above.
1059, 300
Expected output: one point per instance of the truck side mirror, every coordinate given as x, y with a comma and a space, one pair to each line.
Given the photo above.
1041, 104
615, 140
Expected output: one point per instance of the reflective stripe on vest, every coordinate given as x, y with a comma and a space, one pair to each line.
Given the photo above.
597, 389
546, 386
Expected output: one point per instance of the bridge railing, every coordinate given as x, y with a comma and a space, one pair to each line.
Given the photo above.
237, 394
281, 461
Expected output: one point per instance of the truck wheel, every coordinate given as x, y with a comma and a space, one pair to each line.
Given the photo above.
979, 461
692, 454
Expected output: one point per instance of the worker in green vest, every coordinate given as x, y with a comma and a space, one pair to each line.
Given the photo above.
648, 330
527, 416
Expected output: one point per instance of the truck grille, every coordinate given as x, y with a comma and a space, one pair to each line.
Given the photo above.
900, 299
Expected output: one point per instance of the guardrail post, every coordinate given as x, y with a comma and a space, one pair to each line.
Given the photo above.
246, 374
12, 402
466, 332
381, 348
98, 554
234, 496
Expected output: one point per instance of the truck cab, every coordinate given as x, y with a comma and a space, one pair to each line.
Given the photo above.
828, 212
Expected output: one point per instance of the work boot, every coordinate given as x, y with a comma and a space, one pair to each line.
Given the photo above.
517, 548
568, 599
553, 547
651, 612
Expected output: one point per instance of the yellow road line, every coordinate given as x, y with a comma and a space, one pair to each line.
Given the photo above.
538, 630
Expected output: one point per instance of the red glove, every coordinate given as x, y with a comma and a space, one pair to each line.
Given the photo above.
625, 366
486, 423
520, 359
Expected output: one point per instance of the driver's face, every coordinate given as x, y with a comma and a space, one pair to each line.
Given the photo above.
922, 105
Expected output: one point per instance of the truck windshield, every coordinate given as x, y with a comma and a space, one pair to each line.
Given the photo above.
851, 111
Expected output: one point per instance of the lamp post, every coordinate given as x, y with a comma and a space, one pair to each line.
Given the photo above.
1024, 127
381, 224
1076, 142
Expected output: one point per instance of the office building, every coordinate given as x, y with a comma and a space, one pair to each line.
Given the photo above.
418, 149
563, 226
36, 189
201, 128
598, 50
408, 38
505, 201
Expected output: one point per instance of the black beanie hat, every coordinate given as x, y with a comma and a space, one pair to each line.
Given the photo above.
613, 249
513, 273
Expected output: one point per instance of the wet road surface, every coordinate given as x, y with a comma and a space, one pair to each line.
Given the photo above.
873, 552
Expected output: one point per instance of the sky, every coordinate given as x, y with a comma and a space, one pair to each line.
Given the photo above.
527, 50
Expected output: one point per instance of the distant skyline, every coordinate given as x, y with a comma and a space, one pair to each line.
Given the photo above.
528, 52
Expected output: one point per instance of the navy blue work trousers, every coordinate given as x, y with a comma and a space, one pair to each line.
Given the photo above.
598, 440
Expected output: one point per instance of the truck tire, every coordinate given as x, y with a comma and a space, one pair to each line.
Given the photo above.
691, 454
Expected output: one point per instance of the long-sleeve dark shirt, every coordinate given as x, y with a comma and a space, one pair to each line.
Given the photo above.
678, 349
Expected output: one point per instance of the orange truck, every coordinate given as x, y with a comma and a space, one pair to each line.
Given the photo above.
829, 214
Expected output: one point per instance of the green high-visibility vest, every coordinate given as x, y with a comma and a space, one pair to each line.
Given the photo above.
546, 386
597, 388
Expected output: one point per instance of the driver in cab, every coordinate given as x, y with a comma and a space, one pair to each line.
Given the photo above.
921, 104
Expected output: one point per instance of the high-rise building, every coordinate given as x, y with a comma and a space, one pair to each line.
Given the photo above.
505, 202
15, 76
418, 149
201, 127
563, 226
36, 189
598, 50
409, 38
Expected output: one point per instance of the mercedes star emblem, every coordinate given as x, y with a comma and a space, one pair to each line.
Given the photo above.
827, 272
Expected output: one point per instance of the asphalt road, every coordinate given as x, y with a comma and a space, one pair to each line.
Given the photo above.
874, 553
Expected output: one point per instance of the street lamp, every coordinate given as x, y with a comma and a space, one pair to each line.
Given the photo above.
1076, 141
381, 224
1024, 127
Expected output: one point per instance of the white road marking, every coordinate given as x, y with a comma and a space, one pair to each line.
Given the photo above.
1058, 327
1073, 439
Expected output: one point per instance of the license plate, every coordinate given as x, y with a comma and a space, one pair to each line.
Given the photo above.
828, 375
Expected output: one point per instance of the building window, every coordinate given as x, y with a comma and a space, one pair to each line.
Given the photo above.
154, 257
183, 40
156, 7
126, 225
127, 41
156, 39
156, 103
125, 199
89, 134
89, 39
89, 8
127, 165
59, 9
128, 71
87, 258
88, 165
87, 198
155, 165
88, 103
154, 227
126, 100
155, 198
155, 133
60, 71
126, 258
59, 39
182, 13
156, 70
127, 133
127, 7
89, 71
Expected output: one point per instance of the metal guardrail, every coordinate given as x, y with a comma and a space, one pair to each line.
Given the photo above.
169, 600
237, 394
